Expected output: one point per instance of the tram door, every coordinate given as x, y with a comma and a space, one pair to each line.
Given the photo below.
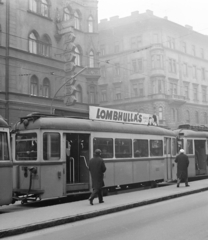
77, 160
200, 157
168, 160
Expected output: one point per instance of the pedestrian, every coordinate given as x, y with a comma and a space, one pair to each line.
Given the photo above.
97, 168
182, 167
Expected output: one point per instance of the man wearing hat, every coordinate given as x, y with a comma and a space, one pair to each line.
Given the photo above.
182, 167
97, 168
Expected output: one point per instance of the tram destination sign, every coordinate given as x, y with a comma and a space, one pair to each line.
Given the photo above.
115, 115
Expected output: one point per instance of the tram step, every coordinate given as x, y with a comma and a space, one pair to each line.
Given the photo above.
77, 187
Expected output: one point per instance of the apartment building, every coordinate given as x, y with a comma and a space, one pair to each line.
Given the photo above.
152, 65
43, 44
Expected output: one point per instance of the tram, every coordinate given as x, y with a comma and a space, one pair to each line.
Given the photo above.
6, 173
194, 140
51, 155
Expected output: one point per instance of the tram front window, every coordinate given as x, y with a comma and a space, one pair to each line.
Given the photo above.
51, 146
4, 152
26, 146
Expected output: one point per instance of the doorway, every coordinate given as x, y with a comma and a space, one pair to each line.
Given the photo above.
77, 160
200, 157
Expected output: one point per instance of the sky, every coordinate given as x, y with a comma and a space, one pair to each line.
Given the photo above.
183, 12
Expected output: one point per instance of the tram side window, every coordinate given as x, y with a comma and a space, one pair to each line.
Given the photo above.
105, 145
4, 148
51, 146
140, 148
156, 148
26, 146
189, 147
123, 148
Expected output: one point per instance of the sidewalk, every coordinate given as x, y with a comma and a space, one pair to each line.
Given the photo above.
18, 222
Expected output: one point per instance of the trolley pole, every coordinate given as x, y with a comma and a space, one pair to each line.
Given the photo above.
64, 85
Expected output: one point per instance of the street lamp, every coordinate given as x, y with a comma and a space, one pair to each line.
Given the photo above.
64, 85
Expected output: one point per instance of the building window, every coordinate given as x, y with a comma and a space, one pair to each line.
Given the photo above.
44, 8
138, 89
90, 25
46, 88
117, 93
185, 70
184, 47
157, 61
91, 60
158, 85
204, 94
45, 46
102, 50
67, 14
193, 50
77, 22
172, 65
186, 91
116, 47
173, 89
103, 71
104, 95
33, 5
203, 74
92, 95
187, 116
197, 116
194, 72
135, 90
34, 86
33, 43
79, 94
137, 65
171, 42
202, 53
78, 57
195, 90
117, 69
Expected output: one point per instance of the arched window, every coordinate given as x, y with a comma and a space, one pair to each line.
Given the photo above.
90, 24
67, 14
197, 116
187, 116
77, 21
33, 43
44, 8
160, 113
91, 59
78, 58
79, 94
34, 86
33, 5
46, 88
45, 46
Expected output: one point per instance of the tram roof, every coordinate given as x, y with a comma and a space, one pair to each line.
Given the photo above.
191, 133
64, 123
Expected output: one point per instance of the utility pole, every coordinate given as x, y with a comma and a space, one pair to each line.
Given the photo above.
7, 61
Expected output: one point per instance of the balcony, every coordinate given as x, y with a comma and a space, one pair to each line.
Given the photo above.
176, 99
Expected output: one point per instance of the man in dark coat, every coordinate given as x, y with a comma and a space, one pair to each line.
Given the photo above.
97, 168
182, 167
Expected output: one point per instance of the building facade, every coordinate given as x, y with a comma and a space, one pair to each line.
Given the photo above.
152, 65
43, 44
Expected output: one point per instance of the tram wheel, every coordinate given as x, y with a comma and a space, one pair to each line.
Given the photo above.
24, 201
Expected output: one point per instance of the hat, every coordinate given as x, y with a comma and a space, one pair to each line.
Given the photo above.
181, 150
97, 151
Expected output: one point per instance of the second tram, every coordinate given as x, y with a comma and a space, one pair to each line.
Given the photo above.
6, 173
51, 155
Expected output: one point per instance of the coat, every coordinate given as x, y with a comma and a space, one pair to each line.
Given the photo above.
97, 168
182, 166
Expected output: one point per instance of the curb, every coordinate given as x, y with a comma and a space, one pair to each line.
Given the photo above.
70, 219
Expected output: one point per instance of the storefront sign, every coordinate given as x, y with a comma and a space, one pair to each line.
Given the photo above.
113, 115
